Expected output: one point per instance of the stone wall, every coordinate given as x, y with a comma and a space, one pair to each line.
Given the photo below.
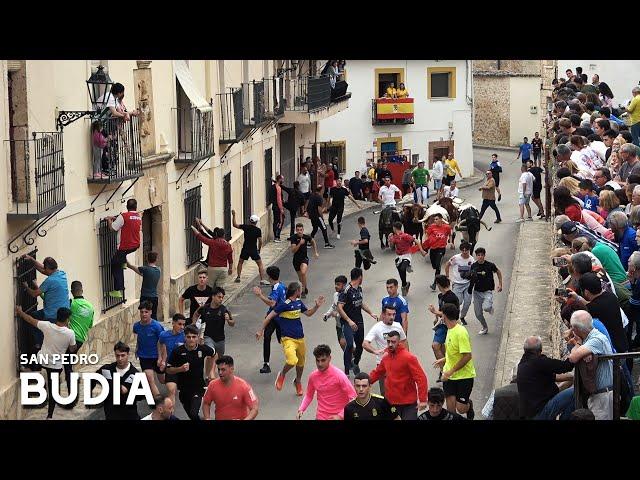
526, 67
491, 110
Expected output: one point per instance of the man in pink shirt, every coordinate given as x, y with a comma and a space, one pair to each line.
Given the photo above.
333, 387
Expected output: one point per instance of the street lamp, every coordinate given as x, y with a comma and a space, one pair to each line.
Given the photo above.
99, 86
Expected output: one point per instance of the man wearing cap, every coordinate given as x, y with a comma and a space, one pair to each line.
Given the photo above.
251, 246
421, 177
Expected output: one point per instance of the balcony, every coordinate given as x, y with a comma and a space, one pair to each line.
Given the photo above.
391, 111
118, 156
311, 99
253, 104
195, 135
231, 116
273, 98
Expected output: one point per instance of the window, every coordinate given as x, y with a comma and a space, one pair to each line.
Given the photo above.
247, 200
192, 209
441, 82
185, 129
268, 174
384, 77
107, 244
25, 272
330, 150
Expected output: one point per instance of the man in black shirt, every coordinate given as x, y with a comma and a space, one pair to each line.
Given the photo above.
482, 286
537, 187
197, 294
187, 363
350, 306
446, 295
315, 211
299, 246
536, 146
251, 246
436, 413
382, 172
363, 253
367, 405
338, 194
539, 395
355, 185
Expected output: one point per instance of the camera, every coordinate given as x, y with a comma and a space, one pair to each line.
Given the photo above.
559, 262
562, 292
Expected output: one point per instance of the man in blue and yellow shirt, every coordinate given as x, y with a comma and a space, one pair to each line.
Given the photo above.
287, 315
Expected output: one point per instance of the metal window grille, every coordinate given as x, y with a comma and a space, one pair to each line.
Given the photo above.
195, 135
192, 209
226, 194
108, 245
247, 192
329, 152
25, 272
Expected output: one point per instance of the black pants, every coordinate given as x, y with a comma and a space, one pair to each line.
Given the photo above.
266, 340
318, 223
154, 302
436, 255
333, 214
402, 270
119, 259
67, 371
191, 401
489, 203
293, 214
363, 257
51, 405
277, 222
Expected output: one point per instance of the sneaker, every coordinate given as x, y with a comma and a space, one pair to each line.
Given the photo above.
264, 282
265, 368
463, 321
484, 331
115, 294
470, 413
433, 287
298, 387
279, 381
520, 220
529, 219
277, 240
498, 221
356, 369
237, 280
329, 246
540, 214
338, 236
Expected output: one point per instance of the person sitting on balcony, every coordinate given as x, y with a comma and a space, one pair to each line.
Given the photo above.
402, 92
220, 256
129, 225
100, 151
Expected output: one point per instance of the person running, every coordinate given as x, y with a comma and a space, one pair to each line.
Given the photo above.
482, 286
496, 170
315, 211
340, 282
461, 277
129, 225
233, 396
300, 248
403, 242
525, 190
213, 316
421, 178
367, 405
338, 194
295, 202
457, 366
251, 246
489, 196
375, 341
451, 168
537, 187
364, 257
148, 332
58, 339
288, 314
277, 295
187, 364
405, 382
163, 408
536, 147
439, 328
438, 234
333, 387
436, 413
387, 193
524, 150
81, 321
197, 294
350, 306
150, 274
168, 341
399, 303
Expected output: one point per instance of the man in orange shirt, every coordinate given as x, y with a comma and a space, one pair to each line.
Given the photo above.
234, 397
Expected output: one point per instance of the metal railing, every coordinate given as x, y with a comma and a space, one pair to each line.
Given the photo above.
38, 187
396, 156
107, 245
253, 103
231, 115
195, 135
192, 210
25, 272
307, 94
389, 119
273, 97
121, 158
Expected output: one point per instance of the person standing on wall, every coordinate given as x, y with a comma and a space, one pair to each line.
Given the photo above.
129, 224
150, 277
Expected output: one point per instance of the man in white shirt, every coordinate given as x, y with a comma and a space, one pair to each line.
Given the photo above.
525, 190
376, 340
460, 267
437, 172
163, 408
387, 193
451, 191
304, 179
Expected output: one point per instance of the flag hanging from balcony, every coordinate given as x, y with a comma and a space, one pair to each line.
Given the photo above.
390, 108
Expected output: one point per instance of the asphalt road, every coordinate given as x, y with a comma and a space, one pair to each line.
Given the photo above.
249, 311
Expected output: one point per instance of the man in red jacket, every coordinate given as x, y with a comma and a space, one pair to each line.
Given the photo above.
220, 256
403, 376
403, 243
129, 225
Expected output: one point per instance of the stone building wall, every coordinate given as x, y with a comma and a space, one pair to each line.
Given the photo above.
491, 110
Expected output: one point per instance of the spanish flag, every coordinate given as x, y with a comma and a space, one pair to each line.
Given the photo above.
390, 108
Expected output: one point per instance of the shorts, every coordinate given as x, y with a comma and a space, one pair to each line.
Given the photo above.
171, 378
218, 347
295, 351
246, 254
461, 389
437, 183
297, 264
536, 194
440, 334
524, 199
339, 333
150, 364
447, 180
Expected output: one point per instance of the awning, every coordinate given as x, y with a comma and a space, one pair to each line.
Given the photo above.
183, 74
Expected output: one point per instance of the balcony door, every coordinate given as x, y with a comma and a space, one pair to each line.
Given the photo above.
438, 150
384, 77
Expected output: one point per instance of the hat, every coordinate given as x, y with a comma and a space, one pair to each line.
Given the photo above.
254, 218
568, 228
420, 161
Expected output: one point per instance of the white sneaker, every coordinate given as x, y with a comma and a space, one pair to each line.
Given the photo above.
484, 331
277, 240
520, 220
529, 219
338, 236
264, 282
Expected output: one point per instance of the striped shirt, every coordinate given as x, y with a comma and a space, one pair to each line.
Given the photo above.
598, 344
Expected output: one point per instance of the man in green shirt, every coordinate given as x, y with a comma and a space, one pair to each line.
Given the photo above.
80, 322
611, 262
421, 179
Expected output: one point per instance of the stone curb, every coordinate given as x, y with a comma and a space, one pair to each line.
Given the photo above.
499, 148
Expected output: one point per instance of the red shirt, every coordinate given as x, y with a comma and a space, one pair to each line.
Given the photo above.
233, 401
130, 232
403, 242
329, 178
405, 381
437, 236
574, 212
220, 251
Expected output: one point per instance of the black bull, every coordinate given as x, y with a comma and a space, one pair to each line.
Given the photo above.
388, 217
469, 224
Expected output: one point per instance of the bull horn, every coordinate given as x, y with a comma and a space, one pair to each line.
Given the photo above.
485, 225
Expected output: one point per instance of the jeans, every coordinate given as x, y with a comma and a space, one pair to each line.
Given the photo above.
635, 133
489, 203
352, 337
482, 302
119, 259
462, 292
422, 194
277, 222
318, 223
563, 403
437, 183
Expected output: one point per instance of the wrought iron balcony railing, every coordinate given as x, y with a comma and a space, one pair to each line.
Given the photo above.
116, 149
195, 135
